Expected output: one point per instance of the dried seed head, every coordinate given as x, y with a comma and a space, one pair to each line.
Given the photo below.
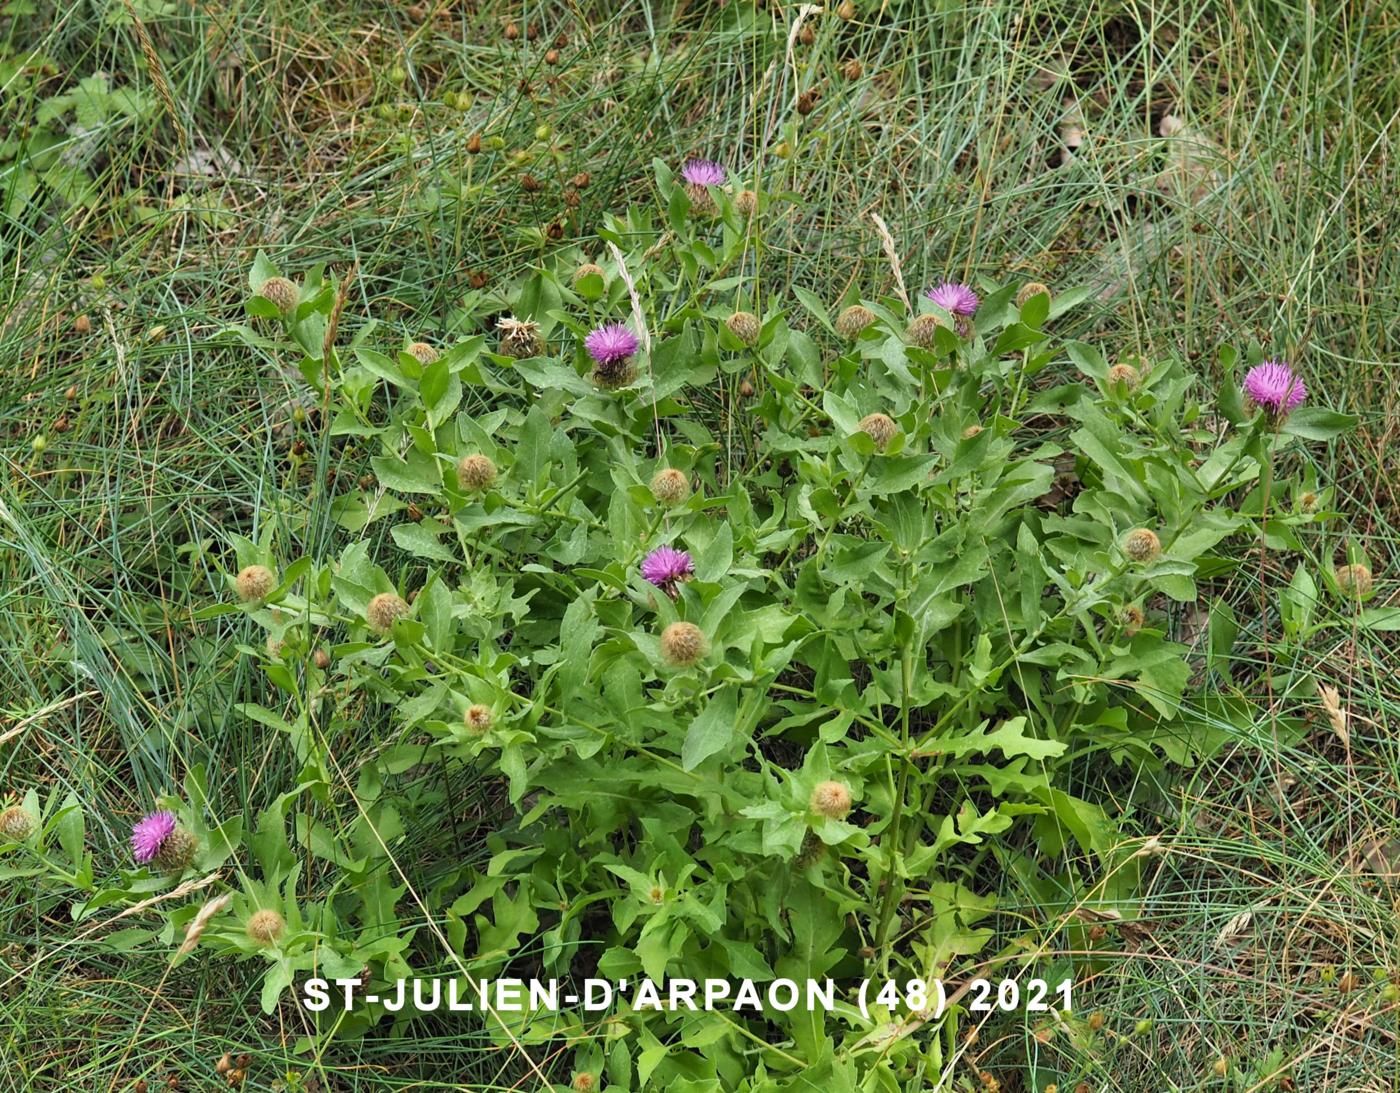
82, 325
1028, 290
746, 203
683, 644
551, 57
16, 824
1309, 501
224, 1065
177, 853
1132, 619
922, 331
846, 10
807, 101
478, 719
581, 180
322, 659
512, 32
583, 1082
266, 926
831, 799
853, 320
745, 326
254, 582
1142, 545
806, 35
670, 487
879, 427
853, 69
1354, 580
520, 338
474, 145
971, 431
476, 473
281, 292
1096, 1020
529, 183
588, 269
422, 352
1125, 374
385, 610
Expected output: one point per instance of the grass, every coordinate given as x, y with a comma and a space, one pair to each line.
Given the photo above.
1269, 220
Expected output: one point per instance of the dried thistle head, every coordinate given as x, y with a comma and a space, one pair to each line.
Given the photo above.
422, 352
745, 326
1354, 580
17, 824
281, 292
923, 330
1126, 375
879, 427
1028, 290
1142, 545
385, 610
476, 473
265, 927
831, 799
670, 487
683, 644
520, 338
254, 583
853, 320
478, 719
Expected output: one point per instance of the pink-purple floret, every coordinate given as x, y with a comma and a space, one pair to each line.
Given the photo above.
610, 342
1275, 387
149, 835
955, 298
703, 172
666, 566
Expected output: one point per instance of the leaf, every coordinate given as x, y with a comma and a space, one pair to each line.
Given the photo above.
421, 540
1010, 738
712, 730
1318, 423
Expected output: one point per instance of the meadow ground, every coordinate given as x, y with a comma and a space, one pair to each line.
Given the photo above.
1215, 171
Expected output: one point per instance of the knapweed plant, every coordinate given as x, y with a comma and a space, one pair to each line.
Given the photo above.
792, 632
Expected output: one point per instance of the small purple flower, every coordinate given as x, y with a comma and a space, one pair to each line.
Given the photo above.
955, 298
610, 343
149, 835
1275, 387
666, 566
703, 172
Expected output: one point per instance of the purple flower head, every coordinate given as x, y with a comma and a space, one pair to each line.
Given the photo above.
955, 298
610, 342
149, 835
703, 172
666, 566
1275, 387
